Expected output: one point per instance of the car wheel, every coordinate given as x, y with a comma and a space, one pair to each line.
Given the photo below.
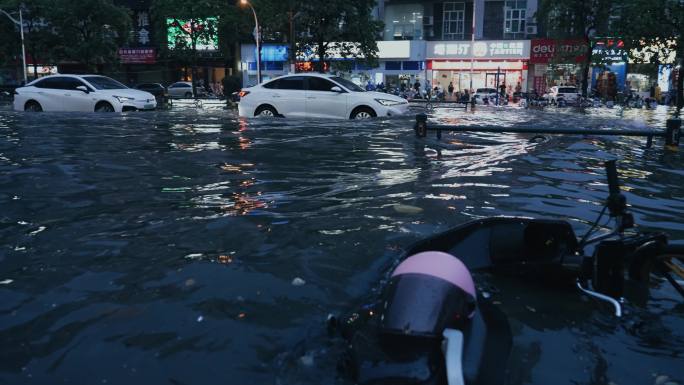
33, 106
188, 94
362, 113
266, 111
104, 107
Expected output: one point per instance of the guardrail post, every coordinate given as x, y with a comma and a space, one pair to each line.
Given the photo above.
421, 125
672, 132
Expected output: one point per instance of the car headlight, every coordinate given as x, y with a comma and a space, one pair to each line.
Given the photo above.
388, 102
122, 99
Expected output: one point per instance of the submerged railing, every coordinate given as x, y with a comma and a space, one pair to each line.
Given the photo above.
671, 132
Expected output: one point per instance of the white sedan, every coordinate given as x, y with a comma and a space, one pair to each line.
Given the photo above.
317, 96
86, 93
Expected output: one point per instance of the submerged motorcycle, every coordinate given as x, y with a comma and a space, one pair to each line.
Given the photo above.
431, 327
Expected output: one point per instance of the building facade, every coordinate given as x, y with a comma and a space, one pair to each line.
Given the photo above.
470, 44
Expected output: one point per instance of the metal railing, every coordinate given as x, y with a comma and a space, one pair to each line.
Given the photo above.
671, 132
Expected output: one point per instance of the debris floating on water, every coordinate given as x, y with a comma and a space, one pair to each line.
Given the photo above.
530, 308
6, 281
194, 256
407, 209
200, 319
661, 380
307, 359
298, 282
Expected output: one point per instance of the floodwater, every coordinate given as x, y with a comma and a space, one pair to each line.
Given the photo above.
161, 248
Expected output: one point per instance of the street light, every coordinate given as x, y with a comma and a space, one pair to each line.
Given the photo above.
256, 37
20, 23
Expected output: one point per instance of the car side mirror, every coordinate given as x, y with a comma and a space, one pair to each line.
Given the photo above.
83, 88
336, 89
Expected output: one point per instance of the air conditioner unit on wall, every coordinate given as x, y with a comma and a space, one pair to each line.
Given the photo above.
531, 30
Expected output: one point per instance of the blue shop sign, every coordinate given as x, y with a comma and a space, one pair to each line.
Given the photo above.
273, 53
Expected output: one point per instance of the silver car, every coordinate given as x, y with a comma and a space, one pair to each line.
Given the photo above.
184, 90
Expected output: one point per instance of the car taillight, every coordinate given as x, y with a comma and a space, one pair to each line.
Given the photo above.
242, 94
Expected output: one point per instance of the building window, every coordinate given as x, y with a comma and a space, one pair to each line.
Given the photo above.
454, 21
514, 18
393, 66
404, 21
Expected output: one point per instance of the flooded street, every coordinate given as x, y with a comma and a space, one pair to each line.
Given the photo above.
162, 247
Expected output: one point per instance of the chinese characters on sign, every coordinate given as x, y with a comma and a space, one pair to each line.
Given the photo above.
137, 55
143, 23
513, 49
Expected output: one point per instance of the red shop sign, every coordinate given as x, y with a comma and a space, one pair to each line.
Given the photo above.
138, 55
542, 51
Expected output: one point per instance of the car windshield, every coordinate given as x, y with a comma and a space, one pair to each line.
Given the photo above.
347, 84
104, 83
485, 90
568, 90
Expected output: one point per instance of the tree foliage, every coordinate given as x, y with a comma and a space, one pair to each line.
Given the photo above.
91, 31
344, 26
83, 31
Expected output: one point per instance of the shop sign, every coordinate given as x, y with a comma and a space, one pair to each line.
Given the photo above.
610, 50
42, 70
544, 51
394, 49
273, 53
137, 55
507, 49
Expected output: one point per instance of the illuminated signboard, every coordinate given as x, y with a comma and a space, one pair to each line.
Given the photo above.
137, 55
505, 49
178, 33
273, 53
609, 50
567, 51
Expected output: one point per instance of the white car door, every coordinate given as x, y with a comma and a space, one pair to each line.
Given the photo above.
321, 102
49, 93
77, 100
289, 98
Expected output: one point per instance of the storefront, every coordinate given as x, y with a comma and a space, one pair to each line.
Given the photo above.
485, 64
401, 62
609, 79
274, 59
556, 63
398, 62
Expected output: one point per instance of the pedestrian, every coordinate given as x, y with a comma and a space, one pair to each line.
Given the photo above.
518, 88
502, 89
451, 89
416, 86
657, 93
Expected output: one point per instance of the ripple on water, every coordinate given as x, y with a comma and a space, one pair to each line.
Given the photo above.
164, 245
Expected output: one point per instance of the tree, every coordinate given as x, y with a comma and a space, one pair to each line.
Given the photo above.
652, 29
10, 44
91, 31
39, 37
191, 25
575, 19
346, 27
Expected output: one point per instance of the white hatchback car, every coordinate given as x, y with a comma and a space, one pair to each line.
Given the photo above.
86, 93
317, 96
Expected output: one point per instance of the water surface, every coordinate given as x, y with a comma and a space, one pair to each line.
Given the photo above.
161, 247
